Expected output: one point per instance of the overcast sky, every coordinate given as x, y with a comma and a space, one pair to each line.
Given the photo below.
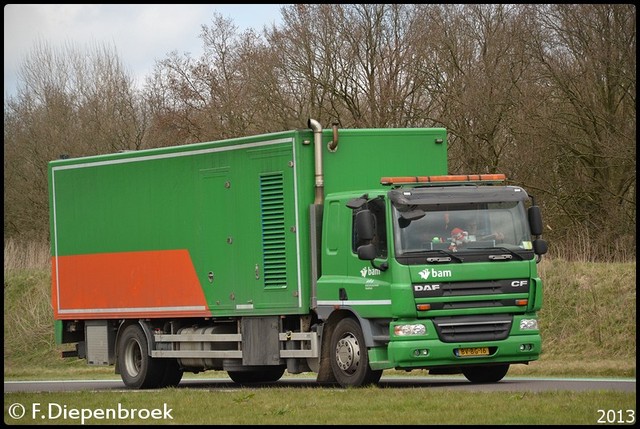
141, 34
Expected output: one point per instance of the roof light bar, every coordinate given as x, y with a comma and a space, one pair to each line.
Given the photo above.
441, 179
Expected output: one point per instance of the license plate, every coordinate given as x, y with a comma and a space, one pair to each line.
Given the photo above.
474, 351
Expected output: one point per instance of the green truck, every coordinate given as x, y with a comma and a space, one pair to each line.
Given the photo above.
342, 252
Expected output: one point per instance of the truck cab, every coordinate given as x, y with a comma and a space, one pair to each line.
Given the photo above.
440, 275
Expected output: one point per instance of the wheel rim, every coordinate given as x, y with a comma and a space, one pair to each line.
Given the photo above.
348, 354
133, 358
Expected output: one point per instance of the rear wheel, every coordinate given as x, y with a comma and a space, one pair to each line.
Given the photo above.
486, 374
137, 369
349, 358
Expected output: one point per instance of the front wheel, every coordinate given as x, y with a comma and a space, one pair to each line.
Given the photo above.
486, 374
349, 358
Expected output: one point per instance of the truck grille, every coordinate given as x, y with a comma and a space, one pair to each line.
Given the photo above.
473, 328
454, 289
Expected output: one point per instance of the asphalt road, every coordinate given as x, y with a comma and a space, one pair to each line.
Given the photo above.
511, 384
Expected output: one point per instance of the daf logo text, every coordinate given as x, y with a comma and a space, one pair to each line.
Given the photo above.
421, 288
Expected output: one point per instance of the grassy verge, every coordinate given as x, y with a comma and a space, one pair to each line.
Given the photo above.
588, 323
588, 327
282, 406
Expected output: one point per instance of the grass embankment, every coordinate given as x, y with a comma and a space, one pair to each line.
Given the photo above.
312, 406
588, 327
588, 320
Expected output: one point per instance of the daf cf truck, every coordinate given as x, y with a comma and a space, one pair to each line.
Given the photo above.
341, 252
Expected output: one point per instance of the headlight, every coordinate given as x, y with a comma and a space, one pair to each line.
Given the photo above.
417, 329
528, 324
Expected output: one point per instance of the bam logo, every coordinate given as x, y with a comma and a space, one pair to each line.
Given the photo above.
368, 271
426, 273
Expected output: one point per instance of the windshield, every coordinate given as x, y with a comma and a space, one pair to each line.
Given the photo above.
463, 227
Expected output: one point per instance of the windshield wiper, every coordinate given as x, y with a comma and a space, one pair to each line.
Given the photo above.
507, 257
447, 258
449, 255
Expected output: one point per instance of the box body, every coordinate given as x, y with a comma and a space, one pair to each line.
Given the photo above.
209, 229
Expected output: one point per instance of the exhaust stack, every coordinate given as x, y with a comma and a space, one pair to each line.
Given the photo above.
317, 145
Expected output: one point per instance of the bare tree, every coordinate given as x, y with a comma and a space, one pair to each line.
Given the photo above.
213, 97
357, 63
543, 93
475, 73
586, 53
71, 102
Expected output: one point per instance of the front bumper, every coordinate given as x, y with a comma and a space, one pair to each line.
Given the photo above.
416, 354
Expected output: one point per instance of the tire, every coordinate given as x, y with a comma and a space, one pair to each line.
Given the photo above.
137, 369
349, 358
263, 375
172, 374
486, 374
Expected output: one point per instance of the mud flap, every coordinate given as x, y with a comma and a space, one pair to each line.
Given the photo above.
325, 373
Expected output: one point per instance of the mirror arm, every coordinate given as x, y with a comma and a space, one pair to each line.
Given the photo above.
384, 266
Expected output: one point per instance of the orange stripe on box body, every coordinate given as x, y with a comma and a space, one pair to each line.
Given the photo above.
148, 284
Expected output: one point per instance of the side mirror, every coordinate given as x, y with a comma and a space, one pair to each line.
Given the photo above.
539, 246
535, 220
412, 214
356, 203
367, 252
405, 218
365, 225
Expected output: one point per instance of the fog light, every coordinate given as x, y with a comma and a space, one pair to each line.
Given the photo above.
526, 347
421, 352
